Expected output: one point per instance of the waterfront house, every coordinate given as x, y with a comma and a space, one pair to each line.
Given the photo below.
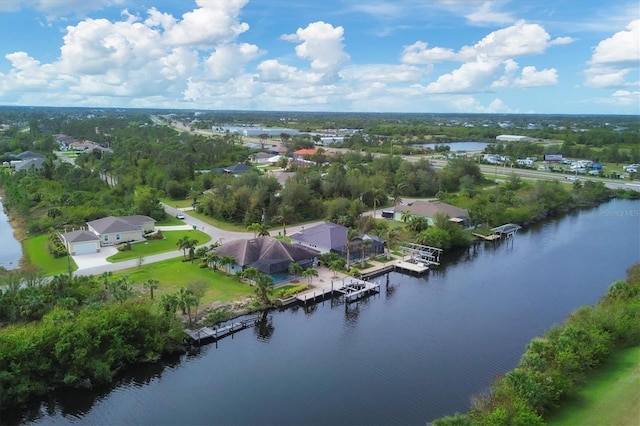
429, 210
267, 254
325, 237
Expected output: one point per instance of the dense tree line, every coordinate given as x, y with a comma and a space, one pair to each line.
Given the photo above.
555, 364
75, 332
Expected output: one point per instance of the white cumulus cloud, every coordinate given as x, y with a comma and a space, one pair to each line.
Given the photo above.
615, 59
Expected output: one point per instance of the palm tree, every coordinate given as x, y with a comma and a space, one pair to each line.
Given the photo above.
406, 216
251, 273
151, 284
392, 235
335, 266
264, 287
285, 213
213, 259
418, 223
295, 269
365, 245
395, 194
263, 230
191, 246
182, 297
227, 262
309, 273
182, 245
377, 195
255, 228
169, 303
352, 235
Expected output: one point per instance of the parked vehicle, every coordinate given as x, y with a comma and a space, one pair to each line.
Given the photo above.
180, 216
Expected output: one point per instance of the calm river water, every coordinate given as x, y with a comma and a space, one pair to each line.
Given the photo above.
417, 351
10, 248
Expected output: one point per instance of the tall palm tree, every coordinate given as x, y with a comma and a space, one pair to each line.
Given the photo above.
352, 235
365, 245
191, 246
395, 194
285, 214
182, 245
264, 287
377, 195
309, 273
391, 238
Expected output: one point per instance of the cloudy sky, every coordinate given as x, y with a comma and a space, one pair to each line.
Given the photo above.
518, 56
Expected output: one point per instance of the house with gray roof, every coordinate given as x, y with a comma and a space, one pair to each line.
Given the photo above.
28, 164
325, 237
266, 254
81, 242
331, 237
117, 230
429, 210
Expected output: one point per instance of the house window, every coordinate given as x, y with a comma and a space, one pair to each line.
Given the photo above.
106, 238
117, 237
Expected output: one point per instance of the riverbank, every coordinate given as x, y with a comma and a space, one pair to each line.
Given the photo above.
416, 351
609, 396
555, 365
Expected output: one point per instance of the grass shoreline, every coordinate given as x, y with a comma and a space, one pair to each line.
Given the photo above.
609, 395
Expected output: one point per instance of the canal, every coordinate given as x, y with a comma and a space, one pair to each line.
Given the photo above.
10, 248
417, 351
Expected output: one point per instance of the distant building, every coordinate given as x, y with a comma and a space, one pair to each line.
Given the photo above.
514, 138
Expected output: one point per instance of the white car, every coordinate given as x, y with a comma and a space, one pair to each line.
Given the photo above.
180, 216
571, 178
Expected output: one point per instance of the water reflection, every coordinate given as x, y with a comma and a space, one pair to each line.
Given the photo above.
264, 327
73, 404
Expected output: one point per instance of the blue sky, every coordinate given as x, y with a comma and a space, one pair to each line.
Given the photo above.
432, 56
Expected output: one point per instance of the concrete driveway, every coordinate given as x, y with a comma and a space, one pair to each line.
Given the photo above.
86, 261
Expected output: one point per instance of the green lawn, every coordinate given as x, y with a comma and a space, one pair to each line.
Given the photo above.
174, 273
37, 251
159, 246
169, 221
611, 395
179, 204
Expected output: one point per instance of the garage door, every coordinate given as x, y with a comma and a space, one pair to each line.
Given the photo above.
86, 248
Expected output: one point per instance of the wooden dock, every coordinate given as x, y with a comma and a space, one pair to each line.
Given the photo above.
350, 288
415, 267
206, 334
491, 237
